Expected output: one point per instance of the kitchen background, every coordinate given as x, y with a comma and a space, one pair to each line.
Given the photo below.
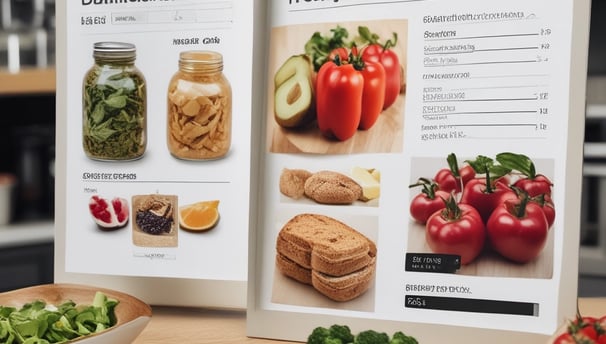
27, 115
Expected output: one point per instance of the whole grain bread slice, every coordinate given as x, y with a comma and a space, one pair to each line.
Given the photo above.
292, 269
325, 244
344, 288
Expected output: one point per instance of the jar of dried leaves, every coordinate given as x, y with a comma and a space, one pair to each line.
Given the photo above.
199, 115
114, 104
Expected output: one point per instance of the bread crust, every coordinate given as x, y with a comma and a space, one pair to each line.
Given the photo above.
344, 288
329, 187
340, 257
292, 269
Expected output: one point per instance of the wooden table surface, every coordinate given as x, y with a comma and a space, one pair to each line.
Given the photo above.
193, 325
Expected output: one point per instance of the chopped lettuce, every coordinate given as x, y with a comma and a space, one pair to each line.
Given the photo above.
40, 323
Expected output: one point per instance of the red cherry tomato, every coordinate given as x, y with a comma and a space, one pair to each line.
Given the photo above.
449, 182
454, 178
428, 201
486, 198
457, 229
564, 338
538, 185
517, 229
547, 205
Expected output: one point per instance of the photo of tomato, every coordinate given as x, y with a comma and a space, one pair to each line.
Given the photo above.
353, 99
517, 227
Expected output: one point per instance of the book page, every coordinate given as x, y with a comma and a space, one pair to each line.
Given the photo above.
181, 186
346, 234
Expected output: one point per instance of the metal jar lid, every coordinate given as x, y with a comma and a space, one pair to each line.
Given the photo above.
114, 51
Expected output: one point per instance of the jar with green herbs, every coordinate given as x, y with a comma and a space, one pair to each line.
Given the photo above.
199, 115
114, 104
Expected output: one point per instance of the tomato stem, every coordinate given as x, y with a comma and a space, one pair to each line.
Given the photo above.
519, 210
429, 187
451, 212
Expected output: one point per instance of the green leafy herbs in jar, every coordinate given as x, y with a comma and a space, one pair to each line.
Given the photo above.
199, 114
114, 104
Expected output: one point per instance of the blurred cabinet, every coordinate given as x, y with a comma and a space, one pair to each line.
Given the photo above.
26, 254
24, 266
27, 90
593, 205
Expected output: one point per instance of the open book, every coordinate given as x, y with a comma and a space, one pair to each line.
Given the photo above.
336, 202
492, 91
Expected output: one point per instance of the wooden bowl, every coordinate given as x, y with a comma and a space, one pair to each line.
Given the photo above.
132, 314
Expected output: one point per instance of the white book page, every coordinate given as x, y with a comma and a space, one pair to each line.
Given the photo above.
213, 262
478, 80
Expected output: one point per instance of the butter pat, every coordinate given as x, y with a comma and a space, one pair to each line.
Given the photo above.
371, 187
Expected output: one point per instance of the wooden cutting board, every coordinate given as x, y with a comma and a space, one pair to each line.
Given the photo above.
384, 137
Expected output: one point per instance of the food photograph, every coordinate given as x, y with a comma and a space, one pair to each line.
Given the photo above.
309, 113
505, 230
359, 186
321, 261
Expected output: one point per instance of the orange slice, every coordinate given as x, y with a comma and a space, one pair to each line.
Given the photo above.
199, 216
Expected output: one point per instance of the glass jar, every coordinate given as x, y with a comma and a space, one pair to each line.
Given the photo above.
199, 114
114, 104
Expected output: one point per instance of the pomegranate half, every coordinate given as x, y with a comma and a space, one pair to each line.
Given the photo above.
109, 214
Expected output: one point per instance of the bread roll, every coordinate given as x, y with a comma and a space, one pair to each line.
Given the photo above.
329, 187
292, 182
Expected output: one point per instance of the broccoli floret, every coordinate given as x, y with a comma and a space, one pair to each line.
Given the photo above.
318, 335
400, 338
342, 332
371, 337
331, 340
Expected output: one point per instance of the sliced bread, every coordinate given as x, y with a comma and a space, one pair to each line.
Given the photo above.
313, 247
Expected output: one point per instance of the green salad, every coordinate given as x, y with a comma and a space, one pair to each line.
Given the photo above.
40, 323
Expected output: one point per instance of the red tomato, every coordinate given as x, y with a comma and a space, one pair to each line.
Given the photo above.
546, 204
339, 90
373, 93
391, 63
567, 338
457, 229
428, 201
486, 199
449, 182
517, 229
342, 52
564, 338
584, 325
537, 185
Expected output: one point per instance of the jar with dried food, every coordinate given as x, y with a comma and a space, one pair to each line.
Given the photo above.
199, 115
114, 104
